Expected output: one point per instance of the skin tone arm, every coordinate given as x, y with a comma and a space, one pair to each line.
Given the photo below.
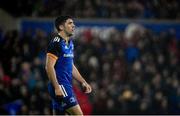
50, 63
79, 78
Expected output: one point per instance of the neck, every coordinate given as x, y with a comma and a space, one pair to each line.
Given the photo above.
64, 36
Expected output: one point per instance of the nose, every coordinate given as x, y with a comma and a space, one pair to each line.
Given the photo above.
73, 26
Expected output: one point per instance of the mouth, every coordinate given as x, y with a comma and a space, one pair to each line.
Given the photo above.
73, 30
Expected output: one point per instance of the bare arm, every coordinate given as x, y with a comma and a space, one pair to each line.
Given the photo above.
79, 78
50, 63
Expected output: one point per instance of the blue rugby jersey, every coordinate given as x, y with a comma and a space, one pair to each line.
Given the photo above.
59, 50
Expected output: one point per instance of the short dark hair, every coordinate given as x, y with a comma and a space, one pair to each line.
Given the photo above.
60, 20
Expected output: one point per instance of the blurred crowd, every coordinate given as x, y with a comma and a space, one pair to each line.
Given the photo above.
151, 9
139, 75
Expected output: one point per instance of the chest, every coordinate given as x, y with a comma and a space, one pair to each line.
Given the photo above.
67, 50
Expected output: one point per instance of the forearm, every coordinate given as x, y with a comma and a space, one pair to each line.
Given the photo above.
52, 76
77, 75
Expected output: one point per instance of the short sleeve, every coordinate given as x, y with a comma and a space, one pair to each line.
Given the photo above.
53, 49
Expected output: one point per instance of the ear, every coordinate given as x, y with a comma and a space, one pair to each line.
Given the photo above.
61, 27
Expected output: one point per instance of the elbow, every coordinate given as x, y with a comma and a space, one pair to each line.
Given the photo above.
46, 68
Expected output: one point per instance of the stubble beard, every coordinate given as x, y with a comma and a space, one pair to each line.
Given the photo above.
69, 34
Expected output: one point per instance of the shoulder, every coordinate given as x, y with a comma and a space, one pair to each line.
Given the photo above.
56, 39
54, 42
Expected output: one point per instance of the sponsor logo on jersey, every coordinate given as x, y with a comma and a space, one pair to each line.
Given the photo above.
66, 47
68, 55
72, 99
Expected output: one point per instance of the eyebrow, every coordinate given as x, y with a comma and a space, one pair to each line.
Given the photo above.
70, 22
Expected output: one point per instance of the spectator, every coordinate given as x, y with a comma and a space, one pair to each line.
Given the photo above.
154, 9
148, 83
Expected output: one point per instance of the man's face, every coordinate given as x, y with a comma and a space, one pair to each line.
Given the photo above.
69, 27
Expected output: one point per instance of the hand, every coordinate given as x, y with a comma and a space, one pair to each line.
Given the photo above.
58, 92
86, 88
